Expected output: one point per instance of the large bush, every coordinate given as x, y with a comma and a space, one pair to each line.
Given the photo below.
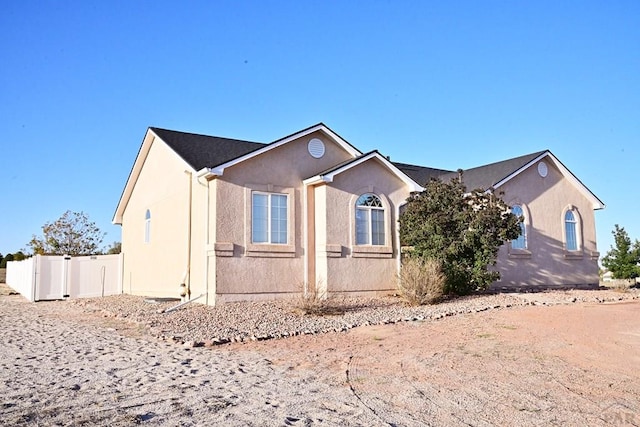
462, 230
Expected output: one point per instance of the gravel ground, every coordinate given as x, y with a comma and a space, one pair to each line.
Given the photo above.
199, 325
524, 359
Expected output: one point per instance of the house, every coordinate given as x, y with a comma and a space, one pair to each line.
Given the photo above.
238, 220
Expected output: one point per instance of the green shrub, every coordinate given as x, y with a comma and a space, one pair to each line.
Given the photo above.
421, 281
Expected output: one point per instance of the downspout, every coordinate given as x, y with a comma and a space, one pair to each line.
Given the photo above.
185, 284
206, 173
305, 239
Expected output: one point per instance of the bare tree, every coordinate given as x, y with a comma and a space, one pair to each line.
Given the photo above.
71, 234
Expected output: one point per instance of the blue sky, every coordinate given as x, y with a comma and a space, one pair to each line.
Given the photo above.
442, 84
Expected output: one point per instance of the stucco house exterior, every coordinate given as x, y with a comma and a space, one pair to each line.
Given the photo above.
237, 220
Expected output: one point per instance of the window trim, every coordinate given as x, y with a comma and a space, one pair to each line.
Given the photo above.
269, 219
368, 210
577, 228
270, 250
523, 229
369, 250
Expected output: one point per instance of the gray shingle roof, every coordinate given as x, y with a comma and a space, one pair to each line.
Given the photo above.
487, 176
201, 151
420, 174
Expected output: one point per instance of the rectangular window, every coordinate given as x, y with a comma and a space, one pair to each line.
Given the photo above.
269, 222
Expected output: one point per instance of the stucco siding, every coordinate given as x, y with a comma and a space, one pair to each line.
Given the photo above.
350, 268
255, 271
156, 268
545, 261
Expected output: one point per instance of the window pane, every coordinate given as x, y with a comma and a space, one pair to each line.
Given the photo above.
362, 227
259, 218
147, 226
377, 227
570, 231
521, 241
278, 218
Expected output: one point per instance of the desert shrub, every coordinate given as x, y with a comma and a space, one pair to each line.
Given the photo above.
313, 300
621, 285
421, 281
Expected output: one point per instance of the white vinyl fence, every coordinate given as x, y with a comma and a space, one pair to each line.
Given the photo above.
56, 277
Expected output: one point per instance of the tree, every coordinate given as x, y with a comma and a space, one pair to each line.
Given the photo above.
115, 248
5, 260
623, 260
463, 231
71, 234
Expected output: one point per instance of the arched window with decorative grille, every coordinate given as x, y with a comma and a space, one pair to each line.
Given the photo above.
370, 220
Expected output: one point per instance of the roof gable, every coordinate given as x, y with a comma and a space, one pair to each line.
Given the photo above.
495, 175
328, 175
218, 170
488, 176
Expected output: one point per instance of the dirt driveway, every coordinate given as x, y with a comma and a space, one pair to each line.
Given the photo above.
567, 365
562, 365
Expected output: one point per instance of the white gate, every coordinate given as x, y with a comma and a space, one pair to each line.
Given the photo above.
56, 277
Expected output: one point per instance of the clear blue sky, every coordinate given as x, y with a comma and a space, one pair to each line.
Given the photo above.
441, 84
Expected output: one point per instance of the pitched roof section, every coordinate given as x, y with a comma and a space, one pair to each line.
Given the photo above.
328, 175
491, 175
494, 175
219, 169
421, 174
201, 151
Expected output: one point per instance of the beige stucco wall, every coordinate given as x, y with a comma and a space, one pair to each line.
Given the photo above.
247, 271
341, 265
156, 268
546, 262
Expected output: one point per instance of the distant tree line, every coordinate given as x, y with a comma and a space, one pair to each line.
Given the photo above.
4, 259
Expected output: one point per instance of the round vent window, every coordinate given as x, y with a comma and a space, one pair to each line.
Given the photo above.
542, 169
316, 148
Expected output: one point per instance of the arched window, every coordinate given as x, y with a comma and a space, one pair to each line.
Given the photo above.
570, 231
369, 220
521, 241
147, 226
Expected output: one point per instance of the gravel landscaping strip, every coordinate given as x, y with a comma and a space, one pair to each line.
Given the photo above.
196, 325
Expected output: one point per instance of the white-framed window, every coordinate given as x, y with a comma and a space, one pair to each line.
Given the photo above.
369, 220
570, 231
147, 226
269, 217
521, 241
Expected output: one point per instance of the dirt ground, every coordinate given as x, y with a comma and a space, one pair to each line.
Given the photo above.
569, 364
561, 365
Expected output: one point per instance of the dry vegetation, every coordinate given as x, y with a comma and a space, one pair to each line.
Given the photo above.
421, 281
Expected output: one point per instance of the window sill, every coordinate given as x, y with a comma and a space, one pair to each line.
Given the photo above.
223, 249
573, 255
268, 250
519, 254
333, 251
371, 251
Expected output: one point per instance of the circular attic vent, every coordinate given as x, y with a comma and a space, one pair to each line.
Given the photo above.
542, 169
316, 148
